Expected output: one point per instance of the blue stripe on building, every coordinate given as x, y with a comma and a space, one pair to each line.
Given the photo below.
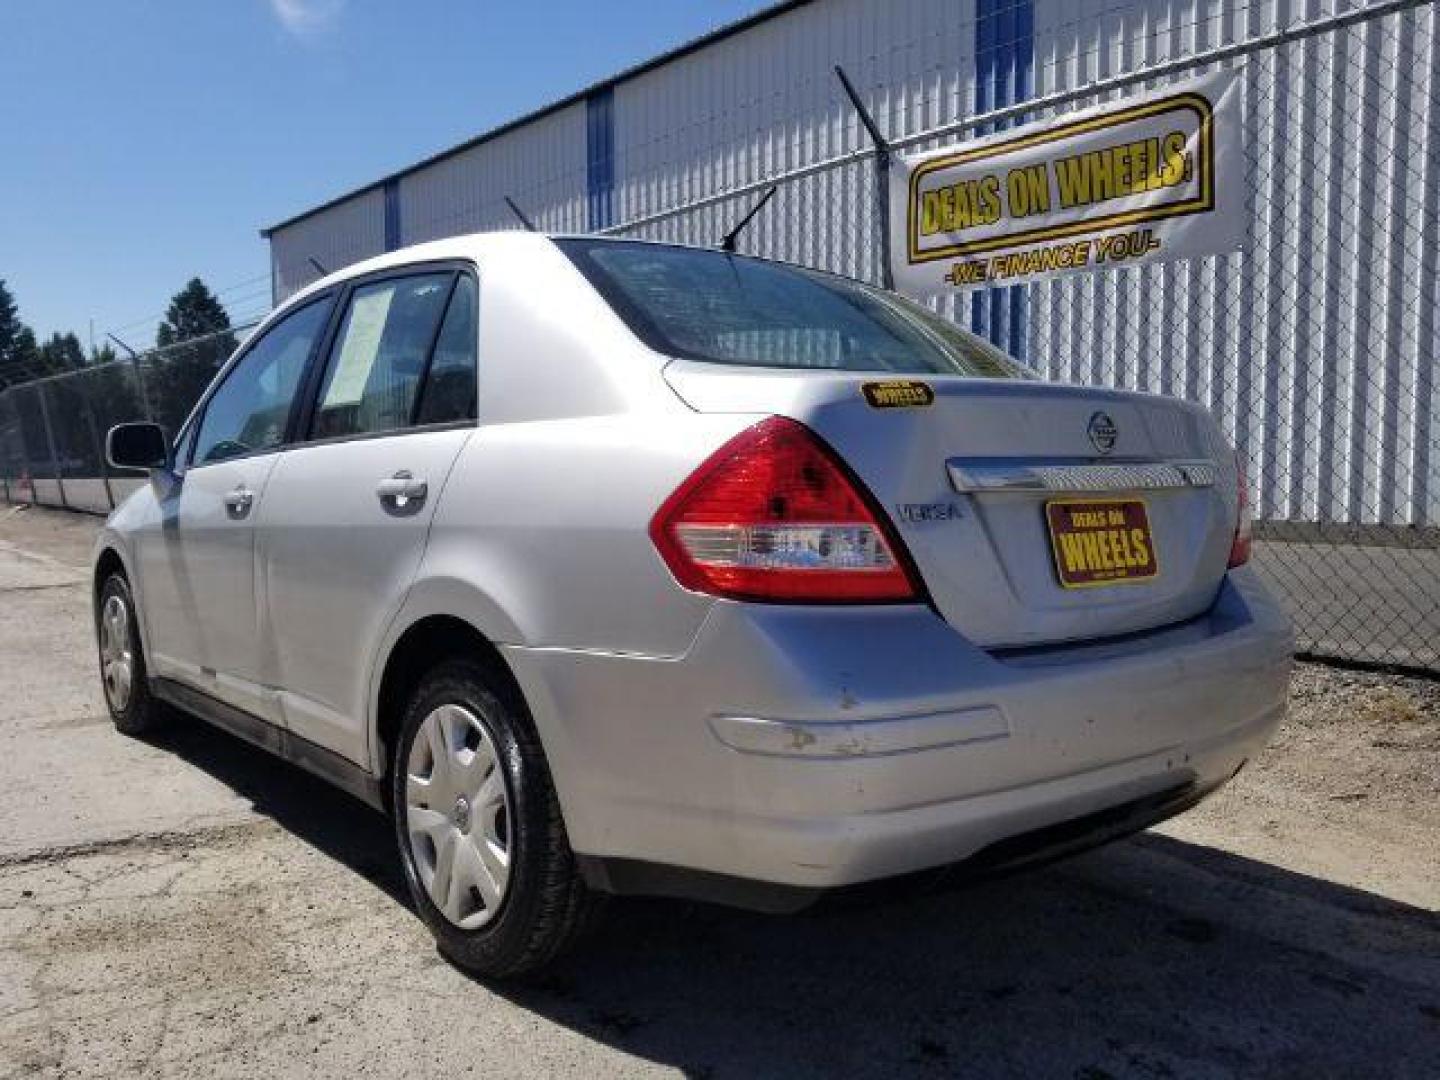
600, 159
1004, 75
392, 215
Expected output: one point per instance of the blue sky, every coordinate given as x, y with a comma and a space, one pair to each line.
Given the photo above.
145, 142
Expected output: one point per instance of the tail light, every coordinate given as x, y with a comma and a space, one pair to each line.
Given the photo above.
774, 515
1240, 546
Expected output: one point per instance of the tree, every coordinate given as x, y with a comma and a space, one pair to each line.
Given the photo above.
102, 354
61, 353
194, 312
9, 320
17, 343
180, 369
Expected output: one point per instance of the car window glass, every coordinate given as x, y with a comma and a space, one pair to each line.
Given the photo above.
249, 411
449, 392
723, 308
379, 355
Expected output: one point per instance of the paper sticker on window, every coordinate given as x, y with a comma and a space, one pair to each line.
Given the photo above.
360, 345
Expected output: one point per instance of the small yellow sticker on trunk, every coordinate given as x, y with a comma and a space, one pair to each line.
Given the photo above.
898, 394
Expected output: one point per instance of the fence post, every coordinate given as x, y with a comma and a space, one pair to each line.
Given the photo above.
139, 375
6, 442
882, 176
50, 442
29, 465
99, 452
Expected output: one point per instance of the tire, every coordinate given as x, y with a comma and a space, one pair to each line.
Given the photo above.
122, 661
501, 917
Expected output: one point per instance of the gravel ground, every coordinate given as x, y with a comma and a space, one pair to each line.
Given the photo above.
190, 907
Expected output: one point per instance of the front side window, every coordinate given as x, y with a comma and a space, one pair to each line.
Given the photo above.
250, 410
379, 355
723, 308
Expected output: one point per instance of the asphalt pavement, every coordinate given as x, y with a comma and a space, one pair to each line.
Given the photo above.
187, 906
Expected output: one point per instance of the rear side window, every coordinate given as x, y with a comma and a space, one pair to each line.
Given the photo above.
731, 309
378, 359
449, 390
250, 410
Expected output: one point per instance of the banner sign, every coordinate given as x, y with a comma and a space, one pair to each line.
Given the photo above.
1159, 176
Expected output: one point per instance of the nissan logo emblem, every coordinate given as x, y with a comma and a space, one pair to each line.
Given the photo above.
1103, 432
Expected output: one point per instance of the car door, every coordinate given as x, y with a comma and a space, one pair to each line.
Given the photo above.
198, 570
347, 511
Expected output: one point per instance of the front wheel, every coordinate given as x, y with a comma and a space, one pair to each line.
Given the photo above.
122, 660
479, 828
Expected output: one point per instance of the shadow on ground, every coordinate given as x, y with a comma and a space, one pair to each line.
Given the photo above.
1152, 957
319, 814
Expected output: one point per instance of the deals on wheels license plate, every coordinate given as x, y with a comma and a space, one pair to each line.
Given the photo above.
1100, 541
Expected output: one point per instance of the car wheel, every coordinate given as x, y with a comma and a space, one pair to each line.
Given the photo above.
478, 823
122, 660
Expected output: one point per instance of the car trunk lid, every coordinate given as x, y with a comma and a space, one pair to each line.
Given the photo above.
1002, 491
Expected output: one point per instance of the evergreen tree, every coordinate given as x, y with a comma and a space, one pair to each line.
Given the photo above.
102, 354
177, 373
61, 353
194, 312
17, 343
9, 320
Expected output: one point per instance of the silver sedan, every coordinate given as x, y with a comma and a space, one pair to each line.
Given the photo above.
616, 567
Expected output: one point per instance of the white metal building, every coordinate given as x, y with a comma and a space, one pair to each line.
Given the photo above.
1316, 345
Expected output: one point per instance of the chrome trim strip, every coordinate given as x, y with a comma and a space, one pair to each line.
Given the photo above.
986, 475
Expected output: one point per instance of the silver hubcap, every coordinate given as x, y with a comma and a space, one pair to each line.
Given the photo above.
117, 661
457, 813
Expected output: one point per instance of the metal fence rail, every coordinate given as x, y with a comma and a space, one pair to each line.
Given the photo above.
1316, 346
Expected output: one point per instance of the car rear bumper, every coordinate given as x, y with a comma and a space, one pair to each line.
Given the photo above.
826, 747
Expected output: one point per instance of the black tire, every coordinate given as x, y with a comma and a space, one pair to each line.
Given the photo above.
139, 712
545, 906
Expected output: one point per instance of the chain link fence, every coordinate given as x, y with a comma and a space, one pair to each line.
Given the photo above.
52, 430
1316, 346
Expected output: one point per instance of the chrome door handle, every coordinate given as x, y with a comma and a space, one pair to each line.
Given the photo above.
239, 501
402, 490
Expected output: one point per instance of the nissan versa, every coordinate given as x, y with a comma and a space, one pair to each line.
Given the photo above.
620, 567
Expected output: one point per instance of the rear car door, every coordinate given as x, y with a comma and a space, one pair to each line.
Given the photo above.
347, 511
198, 569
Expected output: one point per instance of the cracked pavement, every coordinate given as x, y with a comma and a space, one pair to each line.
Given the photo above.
189, 906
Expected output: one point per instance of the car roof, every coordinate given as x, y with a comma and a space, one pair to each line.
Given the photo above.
478, 246
468, 246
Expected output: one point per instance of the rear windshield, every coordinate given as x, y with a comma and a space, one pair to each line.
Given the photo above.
732, 309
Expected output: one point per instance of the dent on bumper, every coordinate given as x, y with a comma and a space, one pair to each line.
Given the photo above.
824, 748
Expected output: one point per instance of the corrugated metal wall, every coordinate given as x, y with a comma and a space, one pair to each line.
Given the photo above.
1317, 345
343, 234
768, 101
541, 166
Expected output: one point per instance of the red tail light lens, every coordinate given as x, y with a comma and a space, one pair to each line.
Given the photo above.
1240, 546
774, 515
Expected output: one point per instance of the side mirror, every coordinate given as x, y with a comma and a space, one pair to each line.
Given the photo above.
138, 446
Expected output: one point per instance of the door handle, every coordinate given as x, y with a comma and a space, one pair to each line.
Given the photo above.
402, 491
239, 501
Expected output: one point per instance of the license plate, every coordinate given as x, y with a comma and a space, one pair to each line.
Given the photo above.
1100, 541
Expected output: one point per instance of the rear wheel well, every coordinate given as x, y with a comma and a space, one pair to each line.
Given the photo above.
430, 641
